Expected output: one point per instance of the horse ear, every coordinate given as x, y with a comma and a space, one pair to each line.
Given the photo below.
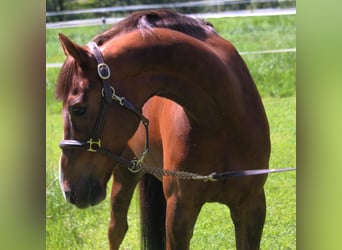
80, 54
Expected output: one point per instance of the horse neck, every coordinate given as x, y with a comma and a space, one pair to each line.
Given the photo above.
178, 67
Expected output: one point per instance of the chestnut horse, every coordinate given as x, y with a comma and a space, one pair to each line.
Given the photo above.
168, 92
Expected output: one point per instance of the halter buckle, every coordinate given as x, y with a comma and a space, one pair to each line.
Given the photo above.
93, 145
103, 71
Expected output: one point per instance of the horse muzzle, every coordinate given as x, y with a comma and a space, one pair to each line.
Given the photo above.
89, 194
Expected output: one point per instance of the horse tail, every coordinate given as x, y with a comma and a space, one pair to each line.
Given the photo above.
152, 213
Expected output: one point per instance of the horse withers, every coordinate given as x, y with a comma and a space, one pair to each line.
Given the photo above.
164, 91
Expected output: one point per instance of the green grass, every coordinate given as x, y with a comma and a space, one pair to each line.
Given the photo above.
258, 33
70, 228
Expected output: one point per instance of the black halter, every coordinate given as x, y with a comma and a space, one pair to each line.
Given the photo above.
108, 94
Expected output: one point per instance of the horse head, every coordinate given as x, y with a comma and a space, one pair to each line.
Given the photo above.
83, 174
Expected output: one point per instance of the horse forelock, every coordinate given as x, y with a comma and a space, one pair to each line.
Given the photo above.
65, 81
146, 20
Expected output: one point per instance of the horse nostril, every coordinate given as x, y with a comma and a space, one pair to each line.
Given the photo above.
92, 191
69, 197
95, 193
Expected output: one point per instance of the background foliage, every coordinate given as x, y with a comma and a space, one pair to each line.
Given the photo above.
61, 5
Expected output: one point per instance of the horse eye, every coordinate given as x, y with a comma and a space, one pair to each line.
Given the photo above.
77, 111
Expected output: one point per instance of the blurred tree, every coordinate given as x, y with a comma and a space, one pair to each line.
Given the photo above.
54, 5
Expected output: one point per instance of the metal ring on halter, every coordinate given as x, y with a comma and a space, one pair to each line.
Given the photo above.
113, 91
103, 70
135, 166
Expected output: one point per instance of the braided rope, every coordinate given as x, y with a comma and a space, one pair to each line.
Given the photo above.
159, 173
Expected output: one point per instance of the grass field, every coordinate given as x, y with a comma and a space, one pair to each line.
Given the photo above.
70, 228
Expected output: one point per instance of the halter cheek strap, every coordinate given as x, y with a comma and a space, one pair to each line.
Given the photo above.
103, 72
93, 144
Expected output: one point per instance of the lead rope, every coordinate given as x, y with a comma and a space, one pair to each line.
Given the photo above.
159, 173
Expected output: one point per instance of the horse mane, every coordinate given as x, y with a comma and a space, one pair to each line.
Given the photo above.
146, 20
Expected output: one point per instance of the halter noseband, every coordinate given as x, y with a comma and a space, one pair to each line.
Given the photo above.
108, 93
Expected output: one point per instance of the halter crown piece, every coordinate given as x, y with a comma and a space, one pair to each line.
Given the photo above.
93, 144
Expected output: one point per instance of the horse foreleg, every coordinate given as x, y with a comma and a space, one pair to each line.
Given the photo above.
181, 215
122, 191
249, 219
